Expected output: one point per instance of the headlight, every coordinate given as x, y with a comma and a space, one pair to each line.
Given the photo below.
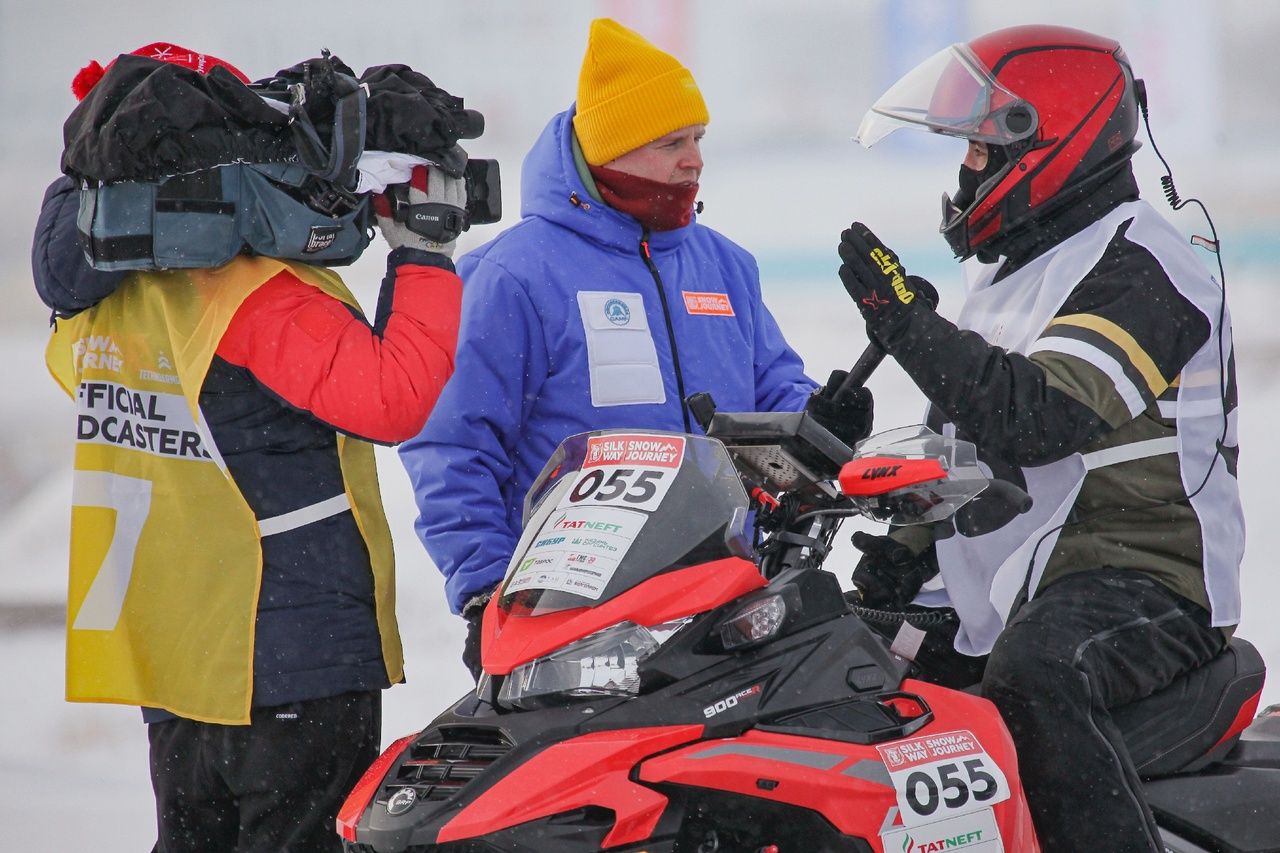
607, 663
755, 622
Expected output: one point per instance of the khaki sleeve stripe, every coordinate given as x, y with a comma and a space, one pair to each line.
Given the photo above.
1105, 363
1118, 336
1092, 377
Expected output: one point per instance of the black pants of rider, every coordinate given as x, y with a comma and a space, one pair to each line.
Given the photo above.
1088, 643
274, 785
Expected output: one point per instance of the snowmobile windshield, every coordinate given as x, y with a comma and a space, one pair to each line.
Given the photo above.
614, 508
952, 93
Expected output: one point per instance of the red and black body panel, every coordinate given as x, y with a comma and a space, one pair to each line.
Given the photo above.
783, 743
713, 737
807, 735
826, 770
509, 642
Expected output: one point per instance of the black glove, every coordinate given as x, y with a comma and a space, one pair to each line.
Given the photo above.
430, 197
845, 413
890, 574
878, 284
473, 612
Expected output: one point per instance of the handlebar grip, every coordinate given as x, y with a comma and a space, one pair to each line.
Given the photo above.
1008, 493
703, 408
862, 368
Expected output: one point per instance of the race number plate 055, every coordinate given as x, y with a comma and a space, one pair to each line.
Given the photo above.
625, 470
941, 775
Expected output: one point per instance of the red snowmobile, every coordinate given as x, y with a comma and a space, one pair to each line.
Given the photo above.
667, 667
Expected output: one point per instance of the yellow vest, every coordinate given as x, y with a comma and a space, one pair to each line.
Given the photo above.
166, 561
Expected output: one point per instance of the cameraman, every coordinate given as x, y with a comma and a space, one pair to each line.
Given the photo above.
259, 625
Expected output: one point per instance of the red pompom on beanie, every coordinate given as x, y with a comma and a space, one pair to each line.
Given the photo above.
163, 51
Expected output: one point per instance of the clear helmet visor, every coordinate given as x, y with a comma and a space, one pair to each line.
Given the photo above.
952, 93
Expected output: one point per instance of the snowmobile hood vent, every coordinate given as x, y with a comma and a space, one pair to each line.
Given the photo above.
443, 761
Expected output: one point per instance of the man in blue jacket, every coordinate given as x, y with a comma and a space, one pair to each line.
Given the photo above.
605, 306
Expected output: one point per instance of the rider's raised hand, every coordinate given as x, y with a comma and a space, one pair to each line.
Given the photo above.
879, 285
890, 574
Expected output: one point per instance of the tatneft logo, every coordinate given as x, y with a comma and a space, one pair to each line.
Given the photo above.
617, 312
950, 842
889, 266
566, 523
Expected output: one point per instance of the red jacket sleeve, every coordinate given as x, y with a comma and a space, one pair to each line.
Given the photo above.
375, 382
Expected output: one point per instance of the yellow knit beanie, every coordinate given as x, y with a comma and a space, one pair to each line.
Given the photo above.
630, 93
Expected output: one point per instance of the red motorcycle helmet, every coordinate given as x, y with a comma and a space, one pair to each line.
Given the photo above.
1060, 103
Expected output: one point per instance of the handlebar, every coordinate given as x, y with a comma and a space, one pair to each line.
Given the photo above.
1007, 493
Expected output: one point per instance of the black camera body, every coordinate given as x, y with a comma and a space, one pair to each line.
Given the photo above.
442, 223
484, 192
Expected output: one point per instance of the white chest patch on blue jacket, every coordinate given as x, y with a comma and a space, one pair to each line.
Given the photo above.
621, 355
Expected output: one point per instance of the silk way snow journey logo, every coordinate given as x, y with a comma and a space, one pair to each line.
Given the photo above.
617, 312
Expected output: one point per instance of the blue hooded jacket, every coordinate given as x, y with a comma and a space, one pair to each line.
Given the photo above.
565, 329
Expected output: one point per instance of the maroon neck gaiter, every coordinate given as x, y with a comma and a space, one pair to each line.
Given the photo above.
657, 206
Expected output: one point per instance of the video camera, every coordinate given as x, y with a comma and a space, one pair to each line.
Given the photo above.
442, 223
267, 168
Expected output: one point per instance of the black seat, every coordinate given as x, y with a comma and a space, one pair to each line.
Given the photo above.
1259, 746
1231, 806
1196, 720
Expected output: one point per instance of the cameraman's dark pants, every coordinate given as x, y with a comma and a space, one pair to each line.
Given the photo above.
1088, 643
271, 786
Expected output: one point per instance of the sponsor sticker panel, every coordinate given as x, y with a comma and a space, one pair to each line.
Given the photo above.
578, 550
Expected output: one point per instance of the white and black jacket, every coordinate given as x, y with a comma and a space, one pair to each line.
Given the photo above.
1090, 371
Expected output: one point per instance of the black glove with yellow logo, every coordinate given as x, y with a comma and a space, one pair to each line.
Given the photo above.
879, 286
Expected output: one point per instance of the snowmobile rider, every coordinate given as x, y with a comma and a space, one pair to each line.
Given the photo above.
606, 306
258, 629
1091, 365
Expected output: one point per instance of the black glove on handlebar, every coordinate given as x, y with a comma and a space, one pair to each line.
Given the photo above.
879, 285
890, 574
845, 413
473, 612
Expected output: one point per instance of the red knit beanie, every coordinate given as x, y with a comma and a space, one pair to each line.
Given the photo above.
163, 51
